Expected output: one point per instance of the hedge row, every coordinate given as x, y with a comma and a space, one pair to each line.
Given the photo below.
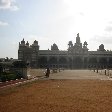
9, 76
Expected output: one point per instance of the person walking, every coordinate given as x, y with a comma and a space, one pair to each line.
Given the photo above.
47, 72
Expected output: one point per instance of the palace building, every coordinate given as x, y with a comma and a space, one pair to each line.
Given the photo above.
77, 56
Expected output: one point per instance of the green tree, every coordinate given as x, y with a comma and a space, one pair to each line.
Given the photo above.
20, 64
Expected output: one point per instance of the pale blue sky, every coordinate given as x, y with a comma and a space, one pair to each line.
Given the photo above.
54, 21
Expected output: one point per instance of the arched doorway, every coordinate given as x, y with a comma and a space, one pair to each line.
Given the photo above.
62, 62
53, 62
92, 63
70, 62
110, 63
85, 65
43, 62
77, 62
103, 62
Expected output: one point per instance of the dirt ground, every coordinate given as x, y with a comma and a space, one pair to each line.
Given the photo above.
59, 96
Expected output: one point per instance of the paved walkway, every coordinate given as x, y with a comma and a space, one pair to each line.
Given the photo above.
66, 74
78, 74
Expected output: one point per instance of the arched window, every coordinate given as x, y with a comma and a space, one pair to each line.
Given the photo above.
62, 60
53, 60
43, 60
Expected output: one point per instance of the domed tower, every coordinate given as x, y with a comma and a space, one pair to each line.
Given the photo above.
35, 45
70, 44
28, 53
85, 49
85, 44
21, 49
22, 45
23, 42
27, 44
101, 48
54, 47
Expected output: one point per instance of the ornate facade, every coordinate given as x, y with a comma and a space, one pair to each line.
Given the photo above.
76, 56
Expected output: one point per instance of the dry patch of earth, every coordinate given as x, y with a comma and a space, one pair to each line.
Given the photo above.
58, 96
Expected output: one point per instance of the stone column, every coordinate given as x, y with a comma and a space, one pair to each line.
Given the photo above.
48, 61
58, 61
83, 62
107, 62
72, 62
25, 73
87, 62
67, 58
97, 62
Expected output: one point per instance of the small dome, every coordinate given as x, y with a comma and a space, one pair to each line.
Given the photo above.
35, 41
23, 41
27, 43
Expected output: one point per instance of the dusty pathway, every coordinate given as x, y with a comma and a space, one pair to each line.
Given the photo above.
78, 74
61, 95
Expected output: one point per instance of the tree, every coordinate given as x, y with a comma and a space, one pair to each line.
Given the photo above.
7, 59
20, 64
1, 70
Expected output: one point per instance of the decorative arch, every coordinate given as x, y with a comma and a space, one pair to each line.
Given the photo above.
77, 62
43, 60
62, 60
85, 62
53, 60
103, 61
110, 60
110, 63
93, 60
70, 62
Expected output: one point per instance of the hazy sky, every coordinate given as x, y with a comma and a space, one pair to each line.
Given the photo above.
54, 21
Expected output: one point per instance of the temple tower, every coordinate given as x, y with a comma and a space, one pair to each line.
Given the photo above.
29, 53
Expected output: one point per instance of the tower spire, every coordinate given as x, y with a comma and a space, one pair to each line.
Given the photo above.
78, 39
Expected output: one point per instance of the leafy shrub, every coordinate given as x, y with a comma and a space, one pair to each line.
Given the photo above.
3, 77
18, 75
20, 64
11, 76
